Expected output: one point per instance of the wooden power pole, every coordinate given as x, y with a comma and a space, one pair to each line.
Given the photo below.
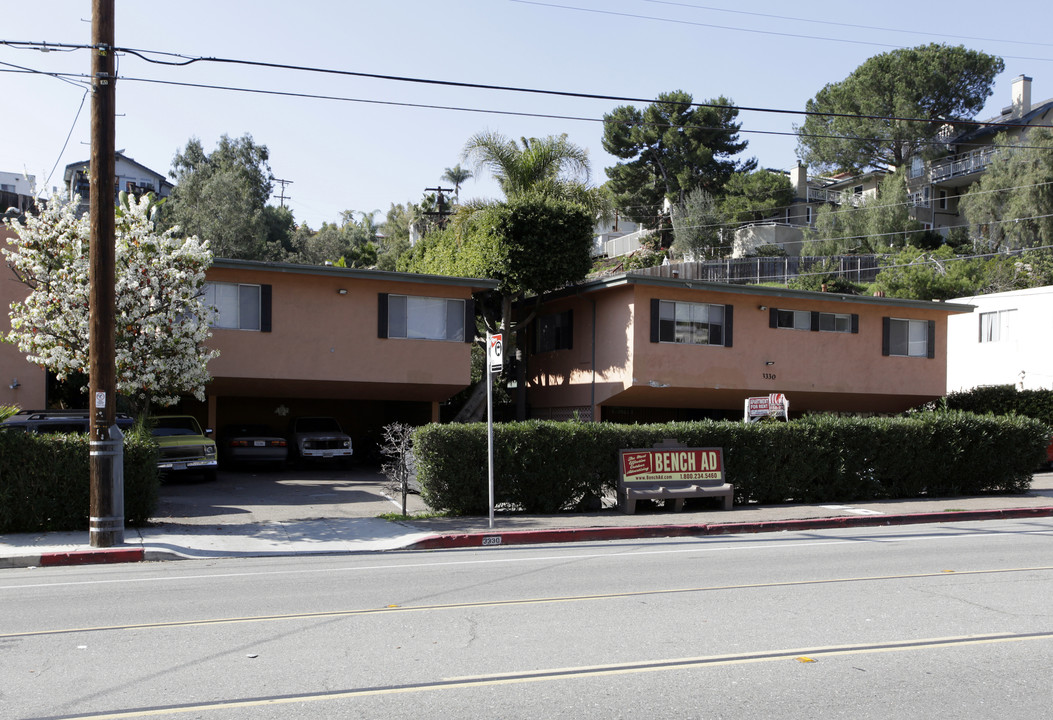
106, 523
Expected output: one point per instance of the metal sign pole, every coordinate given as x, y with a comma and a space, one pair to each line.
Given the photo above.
490, 434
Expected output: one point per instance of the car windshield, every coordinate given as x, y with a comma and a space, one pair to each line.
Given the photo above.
317, 425
175, 426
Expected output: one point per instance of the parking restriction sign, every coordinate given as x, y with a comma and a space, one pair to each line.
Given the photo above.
494, 352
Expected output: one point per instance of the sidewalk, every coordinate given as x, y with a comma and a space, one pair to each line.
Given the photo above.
246, 515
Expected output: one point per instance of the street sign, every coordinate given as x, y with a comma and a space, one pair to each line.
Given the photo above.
495, 352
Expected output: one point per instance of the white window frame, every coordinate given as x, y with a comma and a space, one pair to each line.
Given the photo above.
996, 325
916, 342
794, 319
418, 317
840, 322
238, 306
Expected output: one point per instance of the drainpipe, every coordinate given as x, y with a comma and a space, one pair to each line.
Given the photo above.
592, 387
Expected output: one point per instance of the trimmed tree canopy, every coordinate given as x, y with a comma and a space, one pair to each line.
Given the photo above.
867, 125
528, 243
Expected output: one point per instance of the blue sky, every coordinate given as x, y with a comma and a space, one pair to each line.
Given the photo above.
366, 154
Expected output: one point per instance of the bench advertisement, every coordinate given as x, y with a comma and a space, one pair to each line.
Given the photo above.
672, 465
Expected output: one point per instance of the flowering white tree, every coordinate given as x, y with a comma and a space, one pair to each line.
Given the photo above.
162, 319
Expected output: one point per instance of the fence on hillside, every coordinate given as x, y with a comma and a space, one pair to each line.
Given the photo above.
756, 270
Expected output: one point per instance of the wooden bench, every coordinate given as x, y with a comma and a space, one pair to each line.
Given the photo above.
670, 471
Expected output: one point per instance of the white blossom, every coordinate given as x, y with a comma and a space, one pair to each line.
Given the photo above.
161, 317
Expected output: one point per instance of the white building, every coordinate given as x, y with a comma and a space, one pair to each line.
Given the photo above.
17, 183
1006, 340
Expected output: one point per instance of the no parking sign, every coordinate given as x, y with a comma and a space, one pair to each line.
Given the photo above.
495, 352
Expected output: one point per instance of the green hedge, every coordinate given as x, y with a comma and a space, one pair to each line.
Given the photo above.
1004, 400
44, 481
546, 467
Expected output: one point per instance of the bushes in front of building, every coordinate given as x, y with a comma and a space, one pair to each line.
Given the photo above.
547, 467
1004, 400
45, 486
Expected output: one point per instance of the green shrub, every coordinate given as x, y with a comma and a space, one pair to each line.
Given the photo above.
45, 486
546, 467
1005, 400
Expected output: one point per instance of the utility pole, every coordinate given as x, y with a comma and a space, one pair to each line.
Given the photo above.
443, 212
283, 183
106, 515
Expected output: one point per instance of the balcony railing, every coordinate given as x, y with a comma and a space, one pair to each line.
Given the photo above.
963, 164
837, 197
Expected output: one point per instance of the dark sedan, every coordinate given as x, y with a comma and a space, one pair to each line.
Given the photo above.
250, 444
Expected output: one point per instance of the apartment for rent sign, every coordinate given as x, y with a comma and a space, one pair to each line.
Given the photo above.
672, 465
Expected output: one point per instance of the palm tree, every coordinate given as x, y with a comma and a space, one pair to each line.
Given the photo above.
456, 177
551, 166
548, 164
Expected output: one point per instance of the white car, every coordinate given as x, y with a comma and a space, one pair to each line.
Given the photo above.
320, 437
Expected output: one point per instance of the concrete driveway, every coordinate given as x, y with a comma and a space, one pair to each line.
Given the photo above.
240, 497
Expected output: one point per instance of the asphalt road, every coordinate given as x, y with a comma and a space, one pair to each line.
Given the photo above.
923, 621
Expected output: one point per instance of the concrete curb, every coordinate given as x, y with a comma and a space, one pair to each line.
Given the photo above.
94, 556
532, 537
497, 538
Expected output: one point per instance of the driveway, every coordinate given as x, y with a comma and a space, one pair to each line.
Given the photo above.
258, 496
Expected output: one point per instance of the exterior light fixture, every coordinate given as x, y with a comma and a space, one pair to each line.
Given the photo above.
341, 291
769, 362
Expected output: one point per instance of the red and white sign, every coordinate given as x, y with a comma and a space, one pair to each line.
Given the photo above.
672, 465
495, 352
775, 405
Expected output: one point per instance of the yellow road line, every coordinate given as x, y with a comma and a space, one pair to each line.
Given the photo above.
500, 603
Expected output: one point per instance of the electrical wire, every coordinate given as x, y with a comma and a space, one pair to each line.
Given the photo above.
68, 136
925, 33
188, 60
185, 60
712, 26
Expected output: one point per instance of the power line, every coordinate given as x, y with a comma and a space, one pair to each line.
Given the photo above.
68, 136
925, 33
799, 36
185, 60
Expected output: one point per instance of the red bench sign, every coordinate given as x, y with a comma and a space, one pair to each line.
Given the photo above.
672, 465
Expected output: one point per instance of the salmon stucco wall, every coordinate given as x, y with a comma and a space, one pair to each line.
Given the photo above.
824, 370
321, 334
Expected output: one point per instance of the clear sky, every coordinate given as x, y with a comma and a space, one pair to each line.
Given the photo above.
385, 141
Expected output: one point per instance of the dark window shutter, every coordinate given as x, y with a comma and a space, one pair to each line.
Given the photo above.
729, 321
931, 349
655, 319
382, 315
773, 317
265, 308
815, 321
568, 331
469, 320
855, 324
886, 335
